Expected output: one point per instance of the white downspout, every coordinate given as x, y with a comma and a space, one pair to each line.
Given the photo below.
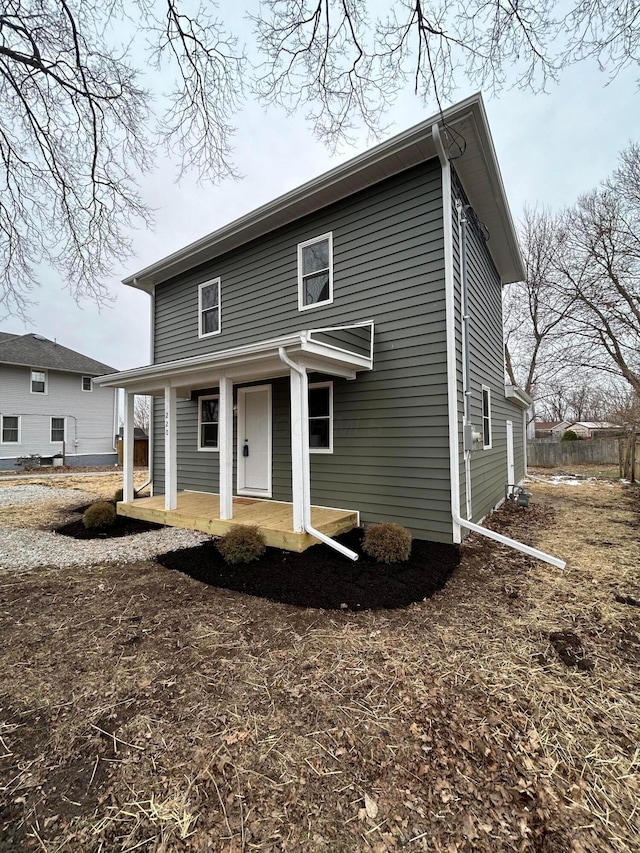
452, 378
306, 467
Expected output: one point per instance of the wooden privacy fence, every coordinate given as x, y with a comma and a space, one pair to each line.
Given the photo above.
630, 458
557, 454
140, 452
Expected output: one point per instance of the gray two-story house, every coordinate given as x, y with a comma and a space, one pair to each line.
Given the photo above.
336, 356
50, 406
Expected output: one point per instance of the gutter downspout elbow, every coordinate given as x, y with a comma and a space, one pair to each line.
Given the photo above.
306, 509
511, 543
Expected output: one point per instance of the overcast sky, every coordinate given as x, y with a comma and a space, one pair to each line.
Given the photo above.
550, 147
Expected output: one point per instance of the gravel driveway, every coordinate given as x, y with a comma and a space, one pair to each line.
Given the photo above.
28, 548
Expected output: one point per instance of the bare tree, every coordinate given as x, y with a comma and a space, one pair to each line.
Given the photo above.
142, 412
77, 127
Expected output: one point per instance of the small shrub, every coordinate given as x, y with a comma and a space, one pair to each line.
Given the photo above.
241, 545
28, 463
99, 514
387, 542
570, 435
119, 494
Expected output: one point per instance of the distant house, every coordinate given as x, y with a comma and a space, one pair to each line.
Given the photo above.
341, 346
50, 405
592, 429
545, 429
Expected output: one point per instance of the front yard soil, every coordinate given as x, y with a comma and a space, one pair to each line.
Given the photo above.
141, 709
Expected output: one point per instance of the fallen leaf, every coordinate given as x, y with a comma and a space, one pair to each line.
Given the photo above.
371, 807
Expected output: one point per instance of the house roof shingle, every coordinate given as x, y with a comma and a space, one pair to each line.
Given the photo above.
37, 351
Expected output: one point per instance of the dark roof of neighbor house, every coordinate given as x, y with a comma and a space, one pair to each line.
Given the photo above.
37, 351
477, 169
546, 425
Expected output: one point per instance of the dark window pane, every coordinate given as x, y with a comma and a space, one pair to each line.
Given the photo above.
10, 429
210, 322
318, 402
316, 288
209, 296
209, 435
319, 433
315, 257
209, 411
57, 429
486, 428
86, 383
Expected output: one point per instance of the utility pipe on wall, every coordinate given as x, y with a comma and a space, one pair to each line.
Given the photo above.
452, 379
306, 467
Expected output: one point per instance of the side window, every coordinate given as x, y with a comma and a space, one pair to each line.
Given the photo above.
57, 429
486, 418
208, 423
87, 385
321, 417
315, 272
10, 425
38, 381
209, 308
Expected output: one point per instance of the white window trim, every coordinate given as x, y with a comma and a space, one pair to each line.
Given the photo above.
301, 246
201, 287
90, 388
488, 417
200, 447
328, 385
33, 370
10, 443
64, 429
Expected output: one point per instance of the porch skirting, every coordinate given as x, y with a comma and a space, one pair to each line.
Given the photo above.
201, 511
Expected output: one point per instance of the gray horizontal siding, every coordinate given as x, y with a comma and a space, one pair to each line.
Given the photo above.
353, 340
390, 458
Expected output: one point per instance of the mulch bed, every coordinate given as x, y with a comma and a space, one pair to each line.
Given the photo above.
320, 577
123, 527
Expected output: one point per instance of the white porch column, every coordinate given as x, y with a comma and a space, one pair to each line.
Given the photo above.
297, 451
170, 449
127, 447
225, 446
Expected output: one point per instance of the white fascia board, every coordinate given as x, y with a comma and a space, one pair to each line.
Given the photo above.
518, 396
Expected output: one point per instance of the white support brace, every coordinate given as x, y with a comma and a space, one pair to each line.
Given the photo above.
225, 445
170, 449
127, 450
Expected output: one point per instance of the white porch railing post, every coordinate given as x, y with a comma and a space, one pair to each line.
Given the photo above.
225, 444
297, 452
127, 447
170, 449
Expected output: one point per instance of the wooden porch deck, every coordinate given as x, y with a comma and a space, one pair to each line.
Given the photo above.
199, 511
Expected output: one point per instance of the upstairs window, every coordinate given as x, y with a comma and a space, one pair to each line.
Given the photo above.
10, 429
38, 382
321, 417
486, 418
315, 272
57, 429
209, 308
208, 423
87, 385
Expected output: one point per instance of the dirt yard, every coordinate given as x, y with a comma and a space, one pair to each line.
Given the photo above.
143, 710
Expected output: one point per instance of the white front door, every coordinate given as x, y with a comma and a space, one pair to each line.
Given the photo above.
511, 467
254, 441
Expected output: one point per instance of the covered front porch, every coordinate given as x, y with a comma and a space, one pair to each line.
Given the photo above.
200, 511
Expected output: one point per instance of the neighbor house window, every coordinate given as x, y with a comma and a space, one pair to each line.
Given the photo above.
208, 423
38, 382
321, 417
87, 384
209, 308
315, 272
486, 417
10, 429
57, 429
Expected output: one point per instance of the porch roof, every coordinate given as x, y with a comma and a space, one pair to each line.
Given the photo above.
329, 350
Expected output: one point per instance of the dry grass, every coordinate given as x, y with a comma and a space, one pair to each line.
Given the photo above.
144, 711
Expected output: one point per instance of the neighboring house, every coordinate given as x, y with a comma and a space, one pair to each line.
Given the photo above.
50, 405
591, 429
544, 429
316, 351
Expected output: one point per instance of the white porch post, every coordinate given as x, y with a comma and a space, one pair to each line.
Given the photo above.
225, 445
127, 447
297, 452
170, 449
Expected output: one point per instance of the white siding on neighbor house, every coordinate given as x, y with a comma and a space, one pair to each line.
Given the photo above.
89, 415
